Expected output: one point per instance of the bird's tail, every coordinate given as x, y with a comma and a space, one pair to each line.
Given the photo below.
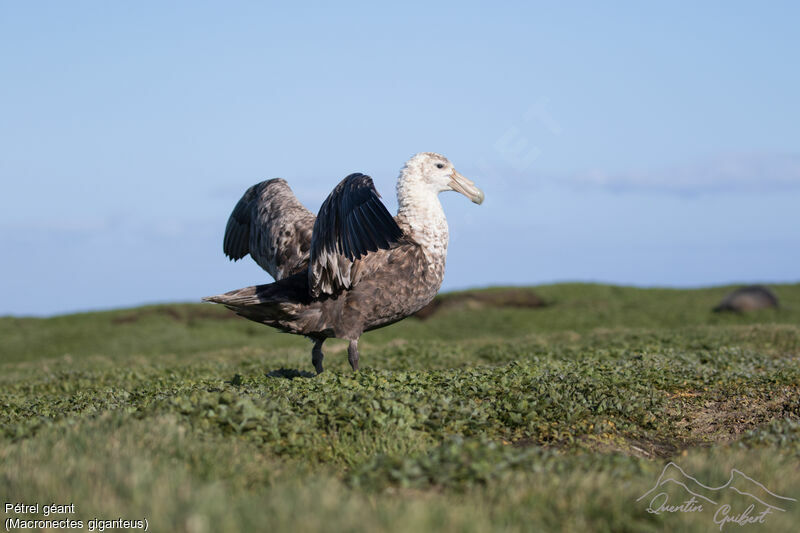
238, 297
262, 303
275, 304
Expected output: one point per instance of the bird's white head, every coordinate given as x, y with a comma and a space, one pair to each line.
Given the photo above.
434, 172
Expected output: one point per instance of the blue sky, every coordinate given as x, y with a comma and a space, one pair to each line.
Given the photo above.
626, 142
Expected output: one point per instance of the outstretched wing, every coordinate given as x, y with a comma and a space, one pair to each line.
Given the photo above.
271, 225
351, 223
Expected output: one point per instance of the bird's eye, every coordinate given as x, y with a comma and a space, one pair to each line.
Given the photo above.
439, 165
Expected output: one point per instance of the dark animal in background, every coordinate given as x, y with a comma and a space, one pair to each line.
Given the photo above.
354, 267
748, 298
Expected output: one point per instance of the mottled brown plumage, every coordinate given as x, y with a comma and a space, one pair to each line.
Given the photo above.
271, 225
352, 269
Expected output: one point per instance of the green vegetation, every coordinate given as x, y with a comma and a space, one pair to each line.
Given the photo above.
484, 418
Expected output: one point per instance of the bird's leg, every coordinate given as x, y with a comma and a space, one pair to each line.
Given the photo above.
317, 355
352, 354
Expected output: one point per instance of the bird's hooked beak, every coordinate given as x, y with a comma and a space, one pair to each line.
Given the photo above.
461, 184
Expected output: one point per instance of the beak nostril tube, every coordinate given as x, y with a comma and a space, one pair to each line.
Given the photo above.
466, 187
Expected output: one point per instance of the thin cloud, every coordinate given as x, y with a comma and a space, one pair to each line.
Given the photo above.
733, 173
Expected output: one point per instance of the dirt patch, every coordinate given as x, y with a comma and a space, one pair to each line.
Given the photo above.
647, 448
514, 298
703, 423
614, 443
178, 314
716, 421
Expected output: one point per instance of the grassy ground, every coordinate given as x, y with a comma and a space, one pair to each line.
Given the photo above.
556, 418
